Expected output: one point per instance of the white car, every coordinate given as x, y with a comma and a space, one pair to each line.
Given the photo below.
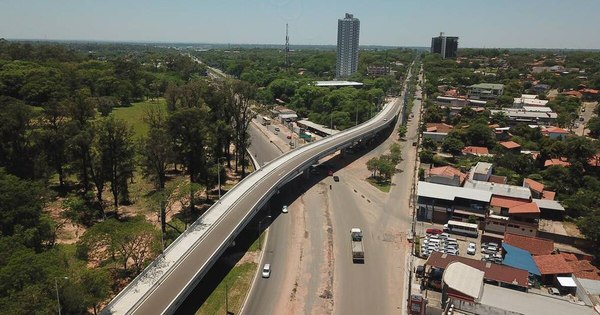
284, 209
471, 249
266, 272
451, 251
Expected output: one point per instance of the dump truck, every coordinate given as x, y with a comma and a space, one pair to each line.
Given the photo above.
358, 253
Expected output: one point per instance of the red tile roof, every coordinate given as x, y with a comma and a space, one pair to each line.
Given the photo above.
447, 171
533, 185
569, 257
584, 269
555, 130
497, 179
559, 162
552, 264
475, 150
534, 245
589, 91
439, 127
547, 194
506, 202
524, 208
572, 93
493, 272
510, 144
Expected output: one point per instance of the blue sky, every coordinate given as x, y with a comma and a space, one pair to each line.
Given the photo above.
478, 23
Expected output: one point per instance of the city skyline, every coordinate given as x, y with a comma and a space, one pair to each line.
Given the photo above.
526, 24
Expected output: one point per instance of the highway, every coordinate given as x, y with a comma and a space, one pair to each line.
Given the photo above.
168, 280
318, 276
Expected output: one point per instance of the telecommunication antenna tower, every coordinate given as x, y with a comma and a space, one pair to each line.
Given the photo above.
287, 49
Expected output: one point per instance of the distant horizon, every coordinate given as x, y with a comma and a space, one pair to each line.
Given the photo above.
509, 24
268, 44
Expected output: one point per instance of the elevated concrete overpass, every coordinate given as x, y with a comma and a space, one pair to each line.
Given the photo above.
167, 281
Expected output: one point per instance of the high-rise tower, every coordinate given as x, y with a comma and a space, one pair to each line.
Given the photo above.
347, 46
447, 46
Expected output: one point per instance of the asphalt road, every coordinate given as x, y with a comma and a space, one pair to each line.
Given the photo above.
261, 299
161, 295
373, 287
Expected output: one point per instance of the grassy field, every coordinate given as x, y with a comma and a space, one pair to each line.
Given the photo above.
383, 185
238, 281
134, 115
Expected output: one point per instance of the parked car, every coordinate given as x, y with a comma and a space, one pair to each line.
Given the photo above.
471, 249
266, 272
277, 129
434, 231
452, 251
284, 209
553, 291
336, 178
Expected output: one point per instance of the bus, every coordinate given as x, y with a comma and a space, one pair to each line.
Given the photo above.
458, 227
266, 121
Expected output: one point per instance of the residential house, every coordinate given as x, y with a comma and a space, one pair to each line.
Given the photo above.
481, 171
445, 175
511, 146
437, 131
559, 162
485, 91
572, 93
478, 151
589, 94
551, 267
537, 189
555, 132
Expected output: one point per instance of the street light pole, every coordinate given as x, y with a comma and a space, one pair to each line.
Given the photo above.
219, 173
57, 295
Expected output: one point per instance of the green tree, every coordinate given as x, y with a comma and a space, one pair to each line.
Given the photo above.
156, 149
17, 152
402, 131
134, 240
479, 135
594, 126
373, 166
115, 147
452, 145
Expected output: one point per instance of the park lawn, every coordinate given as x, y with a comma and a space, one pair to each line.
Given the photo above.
383, 185
134, 115
238, 281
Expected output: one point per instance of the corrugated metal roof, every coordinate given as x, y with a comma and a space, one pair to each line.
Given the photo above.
520, 259
549, 204
444, 192
500, 189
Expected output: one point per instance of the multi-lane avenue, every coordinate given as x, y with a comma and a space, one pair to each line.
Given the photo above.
308, 248
164, 285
